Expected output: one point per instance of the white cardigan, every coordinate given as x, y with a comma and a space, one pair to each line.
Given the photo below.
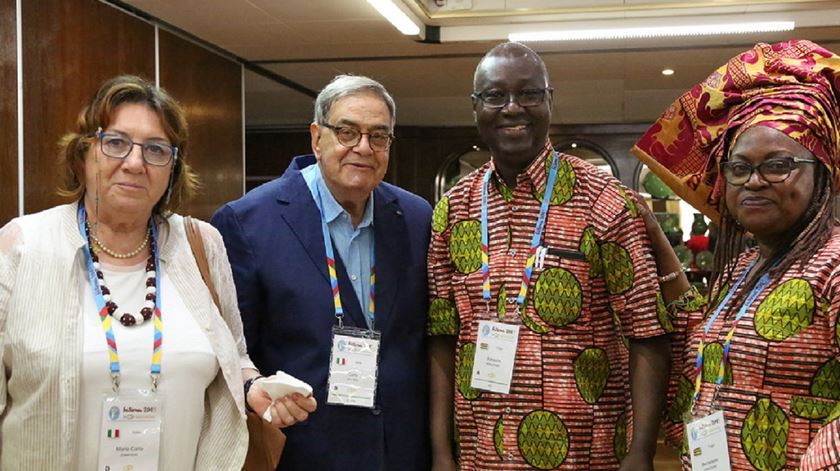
41, 262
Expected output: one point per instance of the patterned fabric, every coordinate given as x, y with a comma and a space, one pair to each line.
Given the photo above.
568, 404
791, 86
782, 383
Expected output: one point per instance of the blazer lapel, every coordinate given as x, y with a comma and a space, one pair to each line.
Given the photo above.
298, 210
391, 242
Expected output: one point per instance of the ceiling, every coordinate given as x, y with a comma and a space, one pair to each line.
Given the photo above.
608, 81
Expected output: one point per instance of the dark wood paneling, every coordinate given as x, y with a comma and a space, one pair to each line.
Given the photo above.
69, 48
8, 113
210, 89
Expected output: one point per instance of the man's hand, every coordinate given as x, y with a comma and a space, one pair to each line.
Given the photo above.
286, 411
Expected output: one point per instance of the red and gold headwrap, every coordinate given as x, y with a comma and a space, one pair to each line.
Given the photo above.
792, 87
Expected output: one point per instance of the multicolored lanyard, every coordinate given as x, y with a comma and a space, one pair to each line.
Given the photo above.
107, 320
698, 366
535, 239
339, 310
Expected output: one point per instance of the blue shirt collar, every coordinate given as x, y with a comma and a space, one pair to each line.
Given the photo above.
331, 208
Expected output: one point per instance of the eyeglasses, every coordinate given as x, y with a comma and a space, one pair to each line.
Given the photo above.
524, 98
772, 171
118, 146
349, 136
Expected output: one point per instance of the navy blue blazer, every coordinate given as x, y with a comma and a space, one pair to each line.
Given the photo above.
276, 249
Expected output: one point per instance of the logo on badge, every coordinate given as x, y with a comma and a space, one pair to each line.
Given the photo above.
694, 434
485, 331
342, 345
114, 413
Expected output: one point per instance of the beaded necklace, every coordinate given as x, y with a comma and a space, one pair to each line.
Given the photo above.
128, 319
114, 253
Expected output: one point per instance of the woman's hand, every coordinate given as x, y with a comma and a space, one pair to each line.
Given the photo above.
286, 411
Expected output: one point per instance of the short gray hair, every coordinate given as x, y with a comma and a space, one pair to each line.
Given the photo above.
347, 85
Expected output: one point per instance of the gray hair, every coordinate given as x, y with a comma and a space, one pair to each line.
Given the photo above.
347, 85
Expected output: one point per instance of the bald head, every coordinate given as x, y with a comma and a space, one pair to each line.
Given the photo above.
522, 53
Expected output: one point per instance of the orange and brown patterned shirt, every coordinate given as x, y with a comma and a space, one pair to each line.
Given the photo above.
781, 386
568, 406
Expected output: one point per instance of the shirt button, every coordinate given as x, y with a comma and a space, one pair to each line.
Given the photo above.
353, 277
510, 457
507, 410
514, 208
512, 252
376, 411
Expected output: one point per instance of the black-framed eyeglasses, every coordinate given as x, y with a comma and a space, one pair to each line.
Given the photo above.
772, 171
348, 136
524, 98
118, 146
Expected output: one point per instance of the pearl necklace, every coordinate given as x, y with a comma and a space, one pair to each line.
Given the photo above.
127, 319
116, 254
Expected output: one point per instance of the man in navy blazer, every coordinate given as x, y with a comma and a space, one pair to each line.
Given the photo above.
275, 239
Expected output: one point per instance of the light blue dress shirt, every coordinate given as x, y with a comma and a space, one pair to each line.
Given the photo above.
354, 245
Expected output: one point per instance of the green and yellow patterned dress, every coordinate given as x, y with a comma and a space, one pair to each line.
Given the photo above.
782, 383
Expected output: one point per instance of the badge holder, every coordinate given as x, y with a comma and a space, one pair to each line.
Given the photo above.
706, 435
354, 367
495, 355
129, 437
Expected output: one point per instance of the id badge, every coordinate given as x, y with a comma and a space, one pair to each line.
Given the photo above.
129, 438
354, 367
707, 444
495, 354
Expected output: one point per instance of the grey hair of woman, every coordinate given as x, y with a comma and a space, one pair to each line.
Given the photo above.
348, 85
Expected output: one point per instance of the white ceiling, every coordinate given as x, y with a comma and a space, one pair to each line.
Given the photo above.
308, 42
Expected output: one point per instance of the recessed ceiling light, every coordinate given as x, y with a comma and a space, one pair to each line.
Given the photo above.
574, 145
667, 71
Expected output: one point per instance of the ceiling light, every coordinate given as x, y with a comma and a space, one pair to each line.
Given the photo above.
653, 32
396, 17
667, 71
574, 145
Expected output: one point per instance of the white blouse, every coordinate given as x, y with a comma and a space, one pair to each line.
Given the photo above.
188, 365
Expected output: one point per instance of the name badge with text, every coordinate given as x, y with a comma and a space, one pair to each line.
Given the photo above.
707, 443
354, 363
130, 434
495, 354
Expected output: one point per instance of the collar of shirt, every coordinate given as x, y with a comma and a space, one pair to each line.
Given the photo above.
536, 173
328, 205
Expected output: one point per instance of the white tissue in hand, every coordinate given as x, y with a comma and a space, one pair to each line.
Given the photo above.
282, 384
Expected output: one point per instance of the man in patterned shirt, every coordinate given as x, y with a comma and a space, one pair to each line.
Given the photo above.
592, 329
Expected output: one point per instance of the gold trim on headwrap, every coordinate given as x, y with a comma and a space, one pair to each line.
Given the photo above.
791, 86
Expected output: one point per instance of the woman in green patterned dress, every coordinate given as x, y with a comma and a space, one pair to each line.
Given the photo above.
755, 146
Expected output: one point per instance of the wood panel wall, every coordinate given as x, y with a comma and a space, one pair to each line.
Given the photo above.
210, 89
70, 47
8, 112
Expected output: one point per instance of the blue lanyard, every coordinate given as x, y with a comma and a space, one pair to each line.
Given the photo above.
107, 321
756, 291
535, 239
328, 246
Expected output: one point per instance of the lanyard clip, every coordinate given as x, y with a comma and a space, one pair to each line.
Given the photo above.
340, 320
115, 381
155, 377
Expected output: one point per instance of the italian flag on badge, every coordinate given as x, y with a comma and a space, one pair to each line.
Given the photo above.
340, 361
113, 433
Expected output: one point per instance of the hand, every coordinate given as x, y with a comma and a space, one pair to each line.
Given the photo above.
636, 461
651, 224
286, 411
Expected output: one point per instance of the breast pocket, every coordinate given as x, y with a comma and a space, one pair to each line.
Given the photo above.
561, 287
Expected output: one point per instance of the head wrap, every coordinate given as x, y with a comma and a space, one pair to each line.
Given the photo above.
792, 87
